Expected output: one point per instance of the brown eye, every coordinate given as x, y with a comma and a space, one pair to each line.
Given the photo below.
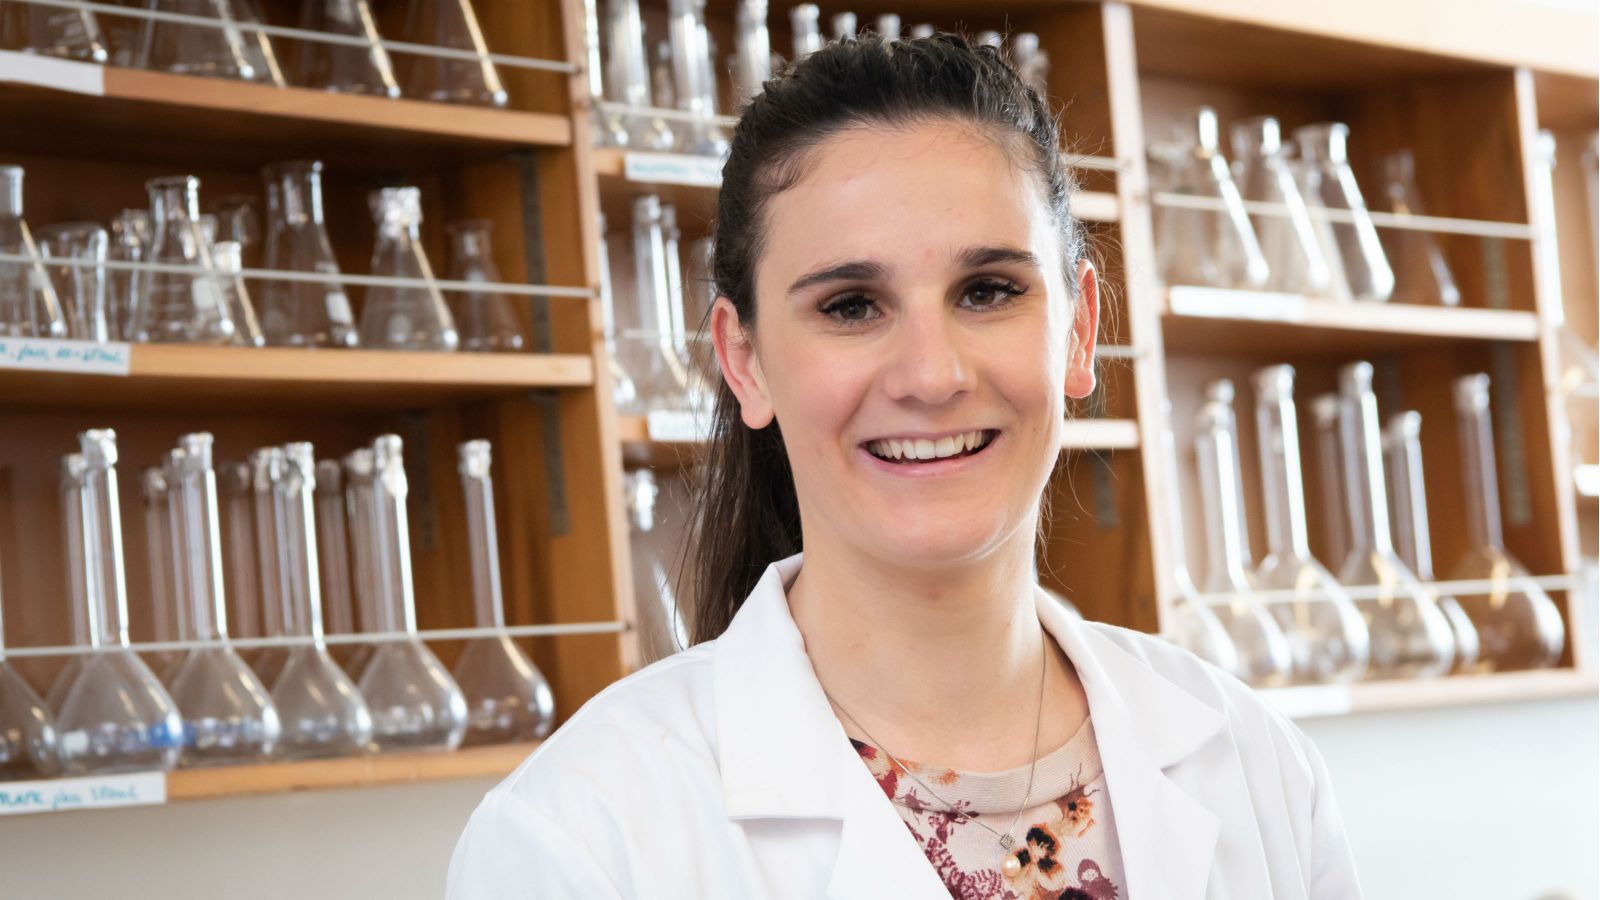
988, 294
854, 309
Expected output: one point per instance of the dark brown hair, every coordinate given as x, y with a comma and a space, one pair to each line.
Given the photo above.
746, 514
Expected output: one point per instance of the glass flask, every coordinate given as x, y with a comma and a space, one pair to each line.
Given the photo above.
1031, 62
131, 231
662, 89
28, 303
1519, 626
54, 31
27, 730
843, 25
1408, 517
701, 396
241, 572
415, 703
413, 317
990, 39
662, 631
1330, 474
237, 220
486, 319
272, 593
888, 25
1421, 274
922, 30
343, 68
1327, 636
752, 48
258, 49
333, 558
1265, 656
359, 504
609, 130
322, 711
694, 78
183, 307
451, 24
623, 392
1355, 254
648, 348
1295, 261
1411, 638
228, 716
806, 27
1190, 623
70, 488
169, 619
301, 313
1215, 246
184, 49
508, 698
79, 279
116, 717
628, 76
123, 36
227, 257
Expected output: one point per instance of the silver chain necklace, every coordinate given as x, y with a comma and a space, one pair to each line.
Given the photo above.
1011, 865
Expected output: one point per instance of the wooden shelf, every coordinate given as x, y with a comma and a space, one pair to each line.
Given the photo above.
1319, 701
352, 772
1223, 321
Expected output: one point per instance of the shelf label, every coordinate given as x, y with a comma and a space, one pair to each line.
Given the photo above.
1265, 306
676, 426
92, 792
59, 74
57, 355
673, 168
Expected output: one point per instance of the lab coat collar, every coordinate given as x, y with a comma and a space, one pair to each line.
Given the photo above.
783, 753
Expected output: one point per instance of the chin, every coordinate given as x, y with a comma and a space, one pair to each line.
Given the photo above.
934, 548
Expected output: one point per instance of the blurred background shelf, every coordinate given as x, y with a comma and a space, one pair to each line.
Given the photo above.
353, 772
1322, 701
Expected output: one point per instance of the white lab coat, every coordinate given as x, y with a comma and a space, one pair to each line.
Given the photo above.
722, 772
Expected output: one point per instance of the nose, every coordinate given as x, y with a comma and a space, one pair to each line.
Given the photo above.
928, 361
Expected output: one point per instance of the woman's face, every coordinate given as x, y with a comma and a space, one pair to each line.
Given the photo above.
914, 338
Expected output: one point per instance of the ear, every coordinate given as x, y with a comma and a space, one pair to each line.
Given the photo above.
741, 368
1085, 327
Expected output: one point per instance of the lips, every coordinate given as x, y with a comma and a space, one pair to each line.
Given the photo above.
910, 451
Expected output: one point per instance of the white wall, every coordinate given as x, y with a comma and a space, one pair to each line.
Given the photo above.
1497, 802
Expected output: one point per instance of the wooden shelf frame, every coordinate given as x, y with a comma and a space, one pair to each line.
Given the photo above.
349, 772
1322, 701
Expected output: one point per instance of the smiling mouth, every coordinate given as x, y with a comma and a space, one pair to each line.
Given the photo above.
909, 451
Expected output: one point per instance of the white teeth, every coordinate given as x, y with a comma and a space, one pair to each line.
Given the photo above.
947, 446
923, 448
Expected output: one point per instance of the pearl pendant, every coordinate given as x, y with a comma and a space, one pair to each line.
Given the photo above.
1012, 866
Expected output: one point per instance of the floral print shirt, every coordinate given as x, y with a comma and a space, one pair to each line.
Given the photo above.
1067, 845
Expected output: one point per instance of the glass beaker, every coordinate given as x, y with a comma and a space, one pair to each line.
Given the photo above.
752, 48
1411, 638
1190, 623
1031, 62
131, 231
1288, 238
508, 698
28, 303
342, 68
623, 392
486, 319
272, 595
333, 558
1355, 254
227, 714
61, 32
183, 307
413, 316
415, 703
1216, 245
185, 49
1327, 636
628, 76
301, 313
662, 631
1519, 626
322, 710
1265, 657
1408, 516
116, 716
27, 730
70, 493
805, 25
78, 276
451, 24
167, 613
648, 348
1421, 274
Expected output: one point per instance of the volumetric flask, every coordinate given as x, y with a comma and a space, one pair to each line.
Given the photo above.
1326, 633
28, 303
628, 77
1295, 259
1421, 274
662, 631
183, 306
805, 26
507, 696
1361, 268
700, 394
647, 346
694, 78
1032, 62
27, 730
1211, 243
302, 313
609, 130
843, 25
116, 717
1519, 626
887, 25
223, 51
228, 716
333, 559
1411, 638
412, 316
623, 392
1408, 518
1190, 623
61, 32
1265, 658
167, 610
453, 25
322, 711
345, 69
75, 258
272, 592
752, 48
241, 574
415, 703
485, 319
73, 472
131, 232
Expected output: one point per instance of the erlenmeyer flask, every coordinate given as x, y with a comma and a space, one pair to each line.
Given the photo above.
1519, 626
486, 319
228, 716
662, 631
238, 220
648, 348
258, 49
170, 620
1031, 62
341, 68
508, 698
623, 392
301, 313
73, 469
333, 558
1190, 623
413, 317
1216, 247
116, 717
1327, 636
805, 26
321, 708
79, 278
700, 396
415, 703
183, 307
1288, 238
27, 730
55, 31
693, 77
131, 231
1265, 658
1408, 517
272, 593
451, 24
1411, 638
1352, 247
185, 49
1421, 274
28, 303
227, 257
628, 76
752, 48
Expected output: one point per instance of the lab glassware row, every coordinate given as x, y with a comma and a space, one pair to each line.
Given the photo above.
1376, 612
171, 275
312, 550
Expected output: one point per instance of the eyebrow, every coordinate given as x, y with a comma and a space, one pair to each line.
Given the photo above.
866, 270
978, 257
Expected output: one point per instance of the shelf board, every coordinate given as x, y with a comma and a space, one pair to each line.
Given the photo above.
350, 772
1219, 320
1100, 434
1319, 701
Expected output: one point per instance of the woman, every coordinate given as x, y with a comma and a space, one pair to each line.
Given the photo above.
903, 290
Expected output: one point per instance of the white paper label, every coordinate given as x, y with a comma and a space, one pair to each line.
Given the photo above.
675, 425
54, 355
46, 71
1266, 306
95, 792
673, 168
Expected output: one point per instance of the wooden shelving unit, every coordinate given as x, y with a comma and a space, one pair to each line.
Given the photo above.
353, 772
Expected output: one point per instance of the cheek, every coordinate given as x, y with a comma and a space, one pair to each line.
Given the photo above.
812, 410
